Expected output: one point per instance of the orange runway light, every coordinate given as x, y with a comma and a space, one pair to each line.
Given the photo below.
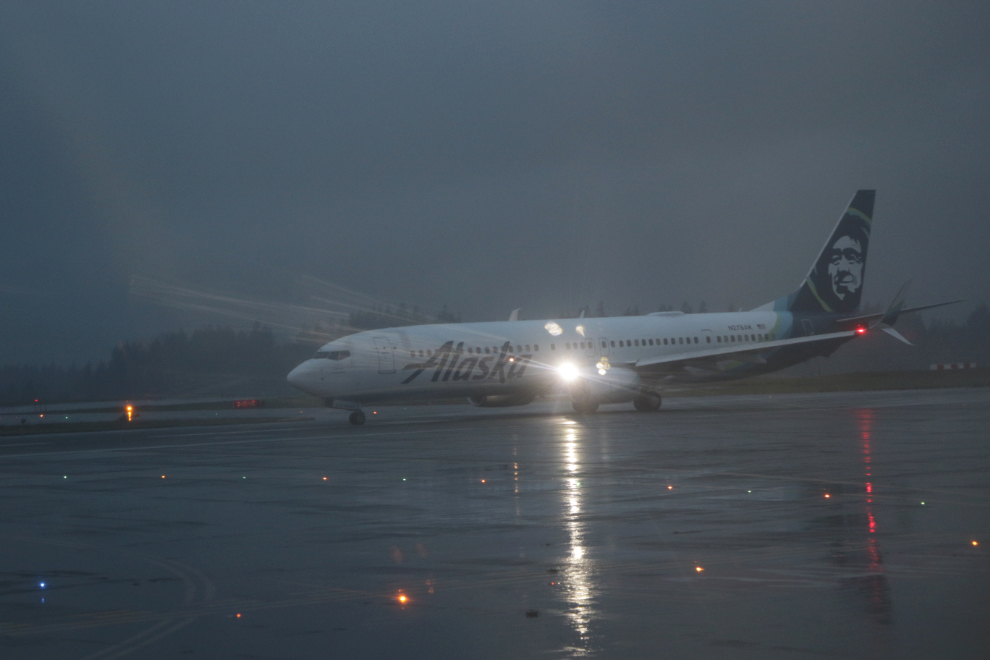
403, 599
482, 481
324, 478
238, 615
698, 568
163, 476
670, 488
975, 543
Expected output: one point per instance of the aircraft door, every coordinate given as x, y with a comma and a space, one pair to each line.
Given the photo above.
386, 356
603, 348
591, 347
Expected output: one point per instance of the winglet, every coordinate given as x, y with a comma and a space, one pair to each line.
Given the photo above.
896, 335
514, 316
894, 309
889, 318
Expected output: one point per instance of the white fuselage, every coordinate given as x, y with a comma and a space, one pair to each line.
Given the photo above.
515, 357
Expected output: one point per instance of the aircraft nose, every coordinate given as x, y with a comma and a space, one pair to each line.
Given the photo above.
297, 377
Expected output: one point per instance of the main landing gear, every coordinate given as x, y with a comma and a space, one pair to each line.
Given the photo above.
357, 418
647, 402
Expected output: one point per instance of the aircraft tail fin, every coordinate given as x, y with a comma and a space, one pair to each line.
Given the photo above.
835, 281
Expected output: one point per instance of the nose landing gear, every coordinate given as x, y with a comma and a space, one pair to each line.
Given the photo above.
356, 418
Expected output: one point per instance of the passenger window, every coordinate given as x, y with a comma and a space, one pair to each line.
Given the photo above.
651, 342
604, 344
708, 339
621, 344
486, 350
719, 339
470, 350
518, 349
613, 343
527, 348
680, 340
536, 347
553, 347
635, 342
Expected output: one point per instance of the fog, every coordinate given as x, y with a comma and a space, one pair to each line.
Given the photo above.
175, 165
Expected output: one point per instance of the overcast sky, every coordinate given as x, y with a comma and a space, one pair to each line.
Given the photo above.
161, 163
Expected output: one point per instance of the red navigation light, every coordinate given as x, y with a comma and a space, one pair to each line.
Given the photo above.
860, 330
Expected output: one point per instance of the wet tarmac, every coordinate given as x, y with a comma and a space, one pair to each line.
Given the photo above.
830, 525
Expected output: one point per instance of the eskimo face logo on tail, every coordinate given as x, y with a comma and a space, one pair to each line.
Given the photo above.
845, 266
448, 363
837, 278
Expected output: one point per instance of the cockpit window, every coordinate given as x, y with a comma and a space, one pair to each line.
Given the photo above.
332, 355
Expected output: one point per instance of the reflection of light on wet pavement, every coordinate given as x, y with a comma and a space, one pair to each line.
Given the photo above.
875, 582
578, 583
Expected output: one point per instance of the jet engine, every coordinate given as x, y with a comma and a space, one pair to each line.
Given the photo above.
500, 400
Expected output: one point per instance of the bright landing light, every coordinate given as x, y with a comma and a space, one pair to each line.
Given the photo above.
567, 371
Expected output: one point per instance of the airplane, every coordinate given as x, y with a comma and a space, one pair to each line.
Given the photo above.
609, 360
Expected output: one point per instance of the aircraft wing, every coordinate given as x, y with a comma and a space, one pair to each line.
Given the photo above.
711, 358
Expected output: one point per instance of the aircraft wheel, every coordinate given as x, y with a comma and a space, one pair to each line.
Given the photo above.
584, 407
647, 403
357, 418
